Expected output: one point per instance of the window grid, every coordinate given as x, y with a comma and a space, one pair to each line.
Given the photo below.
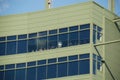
47, 64
36, 37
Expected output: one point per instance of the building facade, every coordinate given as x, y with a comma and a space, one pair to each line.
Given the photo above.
59, 44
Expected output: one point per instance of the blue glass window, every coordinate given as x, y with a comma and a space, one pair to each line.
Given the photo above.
94, 66
20, 74
41, 72
9, 75
99, 35
2, 38
52, 71
22, 46
11, 37
44, 33
2, 67
2, 48
84, 36
11, 47
61, 59
20, 65
52, 60
32, 35
73, 68
94, 27
84, 67
99, 58
24, 36
31, 73
94, 36
99, 65
42, 43
82, 56
41, 62
63, 39
94, 56
73, 38
53, 31
99, 29
84, 26
31, 63
32, 45
1, 75
9, 66
63, 30
62, 69
74, 57
52, 42
73, 28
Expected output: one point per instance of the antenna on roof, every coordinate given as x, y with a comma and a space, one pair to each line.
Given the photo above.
111, 5
48, 4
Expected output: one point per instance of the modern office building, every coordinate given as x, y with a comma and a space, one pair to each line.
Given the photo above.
76, 42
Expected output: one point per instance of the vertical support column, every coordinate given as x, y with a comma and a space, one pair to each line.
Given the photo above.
111, 5
48, 4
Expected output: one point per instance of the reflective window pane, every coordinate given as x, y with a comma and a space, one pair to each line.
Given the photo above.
52, 60
24, 36
1, 75
2, 38
31, 73
20, 65
42, 43
52, 42
61, 59
53, 31
74, 57
63, 30
41, 62
99, 29
84, 36
9, 66
63, 40
94, 36
82, 56
31, 63
84, 67
41, 72
1, 67
73, 28
11, 47
20, 74
11, 37
73, 38
2, 48
9, 75
32, 45
84, 26
73, 68
44, 33
22, 46
62, 69
51, 71
94, 56
94, 66
32, 35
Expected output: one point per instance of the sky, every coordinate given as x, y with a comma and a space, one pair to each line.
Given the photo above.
9, 7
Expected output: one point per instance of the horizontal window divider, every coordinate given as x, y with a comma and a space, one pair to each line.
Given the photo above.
21, 68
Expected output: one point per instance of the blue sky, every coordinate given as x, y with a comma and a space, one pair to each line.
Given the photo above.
8, 7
